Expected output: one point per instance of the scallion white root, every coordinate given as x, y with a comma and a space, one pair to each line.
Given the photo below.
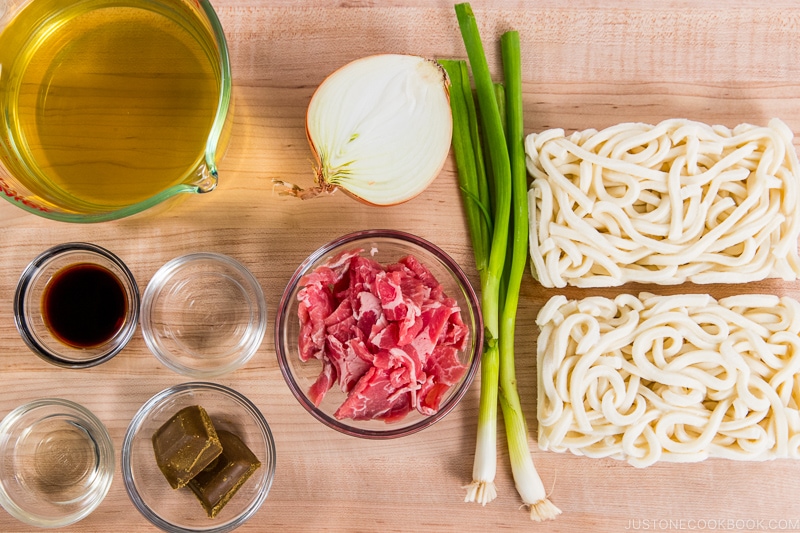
482, 490
526, 478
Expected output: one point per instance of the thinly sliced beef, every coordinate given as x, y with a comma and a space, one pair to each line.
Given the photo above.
315, 306
387, 336
343, 260
374, 398
388, 290
342, 312
409, 328
414, 291
445, 365
368, 313
362, 273
420, 270
457, 333
349, 366
323, 383
361, 350
430, 396
345, 330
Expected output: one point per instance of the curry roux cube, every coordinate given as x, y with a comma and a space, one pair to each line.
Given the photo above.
217, 484
185, 444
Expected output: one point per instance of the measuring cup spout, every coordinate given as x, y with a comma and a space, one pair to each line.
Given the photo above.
206, 179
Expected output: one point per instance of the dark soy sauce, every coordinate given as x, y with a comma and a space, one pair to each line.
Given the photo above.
84, 305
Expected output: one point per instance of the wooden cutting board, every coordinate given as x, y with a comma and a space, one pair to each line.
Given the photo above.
585, 64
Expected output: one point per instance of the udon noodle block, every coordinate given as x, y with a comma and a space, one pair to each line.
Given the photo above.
670, 378
674, 202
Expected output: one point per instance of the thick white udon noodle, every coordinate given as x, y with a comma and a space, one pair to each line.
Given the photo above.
678, 201
671, 378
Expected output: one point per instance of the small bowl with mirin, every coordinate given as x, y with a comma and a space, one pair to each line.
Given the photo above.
57, 462
379, 334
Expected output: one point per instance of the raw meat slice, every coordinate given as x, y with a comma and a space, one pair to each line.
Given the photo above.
385, 338
387, 287
445, 365
373, 398
368, 312
420, 271
343, 311
315, 306
349, 366
345, 330
430, 396
361, 350
362, 273
323, 383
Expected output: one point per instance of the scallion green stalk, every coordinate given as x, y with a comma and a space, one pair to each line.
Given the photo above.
527, 480
471, 174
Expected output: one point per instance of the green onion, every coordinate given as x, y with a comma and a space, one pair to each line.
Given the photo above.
467, 152
482, 488
527, 480
500, 245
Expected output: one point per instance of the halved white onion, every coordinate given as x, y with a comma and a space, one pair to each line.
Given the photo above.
381, 127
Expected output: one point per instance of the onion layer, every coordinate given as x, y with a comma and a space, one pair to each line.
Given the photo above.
380, 128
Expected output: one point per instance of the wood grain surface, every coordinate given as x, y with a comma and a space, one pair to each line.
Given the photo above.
586, 63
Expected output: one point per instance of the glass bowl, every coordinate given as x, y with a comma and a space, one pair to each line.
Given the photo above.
203, 315
76, 280
179, 510
56, 462
386, 247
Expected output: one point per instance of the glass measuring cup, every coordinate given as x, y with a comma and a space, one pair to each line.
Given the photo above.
109, 107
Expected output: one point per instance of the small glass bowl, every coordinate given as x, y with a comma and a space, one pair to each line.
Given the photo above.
179, 511
29, 308
385, 247
203, 315
56, 462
